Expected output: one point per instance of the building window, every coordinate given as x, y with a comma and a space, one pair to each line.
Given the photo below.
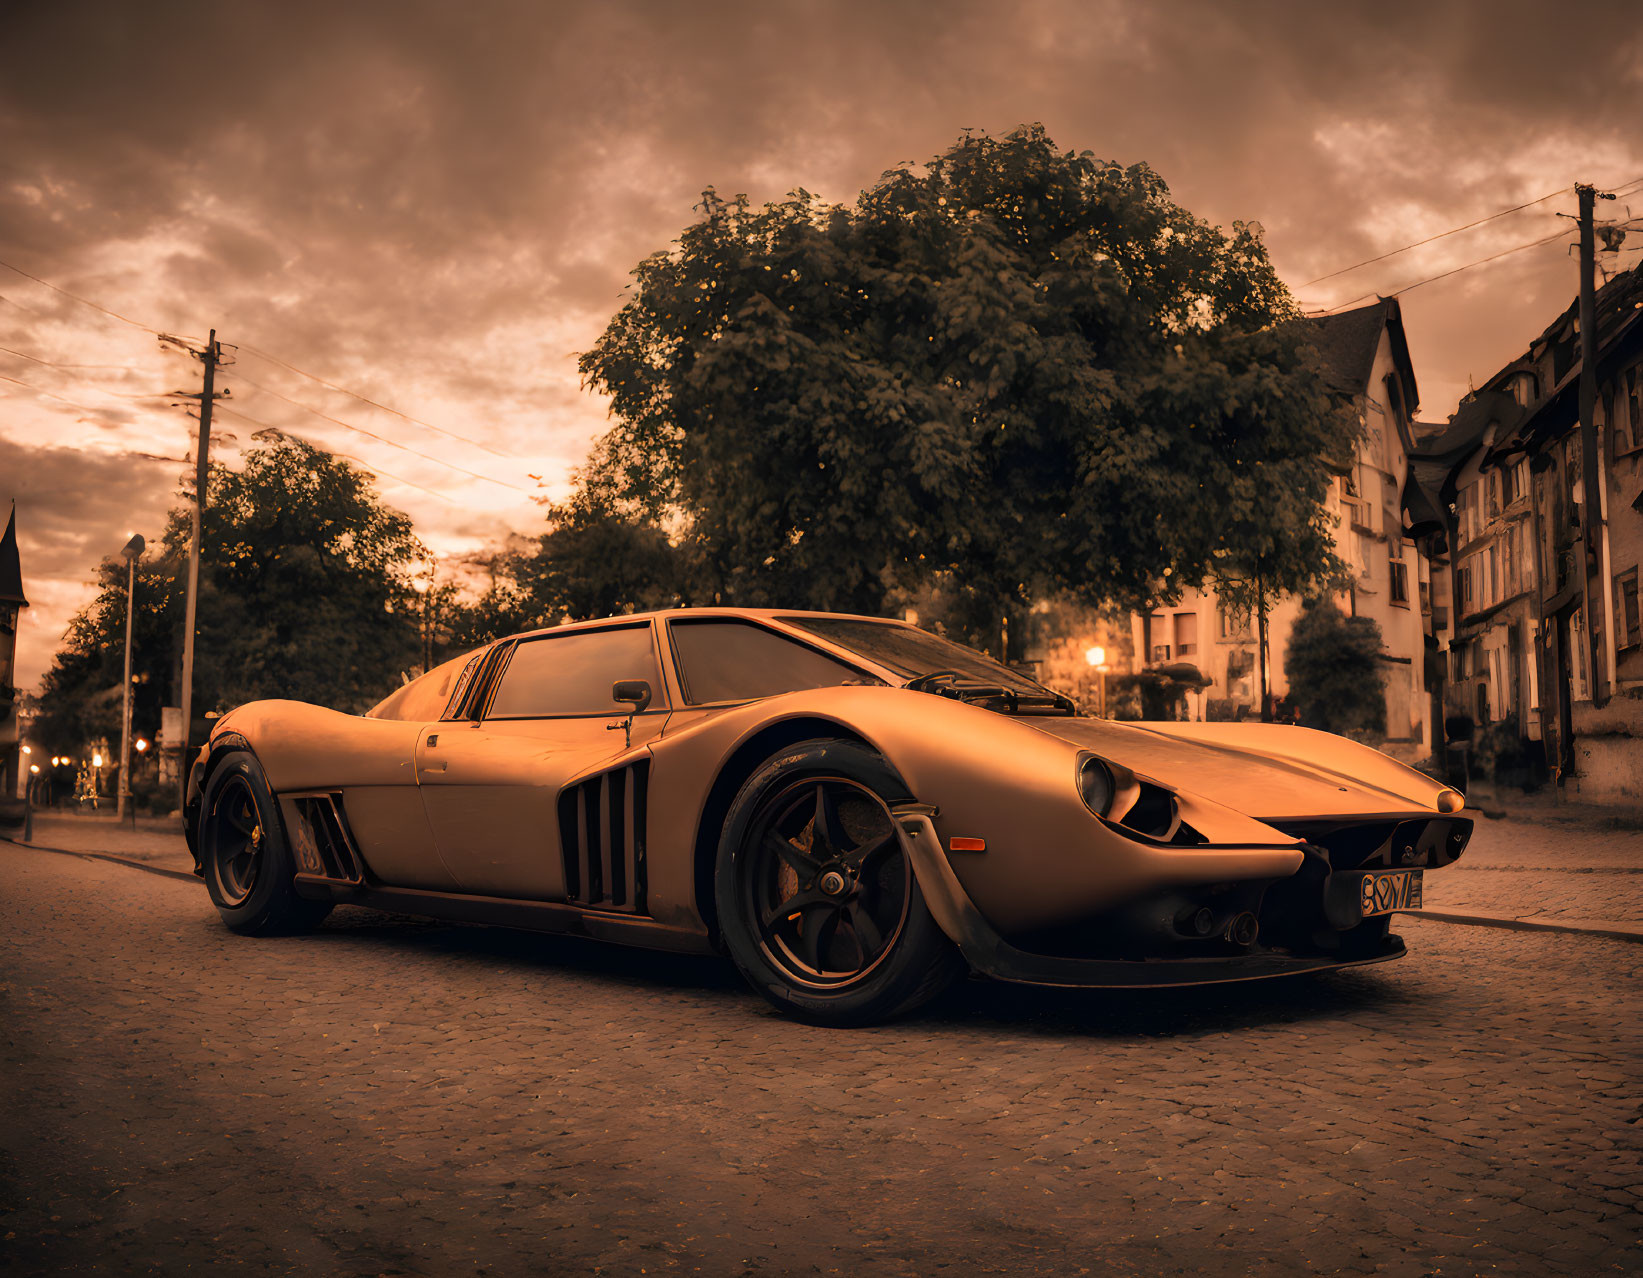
1399, 572
1230, 623
1186, 634
1626, 624
1628, 412
1463, 588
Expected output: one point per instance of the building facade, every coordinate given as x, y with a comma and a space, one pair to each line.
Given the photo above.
1547, 640
1382, 521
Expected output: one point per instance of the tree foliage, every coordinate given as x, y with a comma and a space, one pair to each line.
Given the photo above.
1336, 675
304, 593
1016, 368
590, 562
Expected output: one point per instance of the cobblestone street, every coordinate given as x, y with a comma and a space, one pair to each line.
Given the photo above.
396, 1096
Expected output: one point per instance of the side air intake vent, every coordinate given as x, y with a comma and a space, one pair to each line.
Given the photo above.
602, 831
321, 841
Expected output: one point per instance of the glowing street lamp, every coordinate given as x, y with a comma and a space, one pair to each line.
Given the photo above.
1096, 657
141, 744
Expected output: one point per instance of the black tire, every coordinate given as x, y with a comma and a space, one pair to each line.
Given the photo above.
817, 901
248, 864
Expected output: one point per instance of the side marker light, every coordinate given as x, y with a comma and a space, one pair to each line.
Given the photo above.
967, 845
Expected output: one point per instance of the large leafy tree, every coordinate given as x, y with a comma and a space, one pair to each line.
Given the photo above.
304, 593
1015, 370
592, 561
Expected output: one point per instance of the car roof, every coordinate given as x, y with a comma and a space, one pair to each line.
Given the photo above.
712, 610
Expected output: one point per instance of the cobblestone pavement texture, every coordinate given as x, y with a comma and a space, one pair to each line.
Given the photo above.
394, 1096
1555, 866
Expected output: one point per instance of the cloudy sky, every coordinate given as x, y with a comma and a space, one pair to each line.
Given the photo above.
436, 205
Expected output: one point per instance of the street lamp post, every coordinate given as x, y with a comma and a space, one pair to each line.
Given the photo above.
132, 552
1097, 659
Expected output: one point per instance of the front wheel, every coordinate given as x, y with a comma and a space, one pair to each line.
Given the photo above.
248, 865
817, 899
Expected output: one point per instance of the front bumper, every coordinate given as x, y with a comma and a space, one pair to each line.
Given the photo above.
990, 954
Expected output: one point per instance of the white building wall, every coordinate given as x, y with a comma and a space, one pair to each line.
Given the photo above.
1381, 468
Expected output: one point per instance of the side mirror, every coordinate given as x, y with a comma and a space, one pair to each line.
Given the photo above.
631, 692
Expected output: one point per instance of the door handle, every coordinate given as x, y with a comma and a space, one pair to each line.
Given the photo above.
434, 767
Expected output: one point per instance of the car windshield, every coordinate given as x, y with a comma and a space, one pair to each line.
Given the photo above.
912, 652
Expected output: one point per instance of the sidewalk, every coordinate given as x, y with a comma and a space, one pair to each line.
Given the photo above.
150, 843
1566, 868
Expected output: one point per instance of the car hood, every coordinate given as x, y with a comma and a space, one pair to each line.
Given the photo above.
1272, 772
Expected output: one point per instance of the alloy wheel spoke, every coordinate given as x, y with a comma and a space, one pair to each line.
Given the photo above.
828, 832
810, 938
792, 853
872, 848
802, 903
869, 939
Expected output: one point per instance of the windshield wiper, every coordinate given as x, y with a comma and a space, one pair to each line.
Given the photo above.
946, 683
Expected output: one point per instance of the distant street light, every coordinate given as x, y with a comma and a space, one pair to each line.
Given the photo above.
132, 552
96, 760
141, 744
1096, 656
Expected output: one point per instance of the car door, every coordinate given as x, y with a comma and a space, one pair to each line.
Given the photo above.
491, 785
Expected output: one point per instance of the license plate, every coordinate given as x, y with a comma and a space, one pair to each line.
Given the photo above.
1381, 893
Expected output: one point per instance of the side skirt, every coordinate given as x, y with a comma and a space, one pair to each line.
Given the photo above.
535, 916
991, 955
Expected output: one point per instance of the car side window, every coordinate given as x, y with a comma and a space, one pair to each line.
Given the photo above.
740, 661
571, 674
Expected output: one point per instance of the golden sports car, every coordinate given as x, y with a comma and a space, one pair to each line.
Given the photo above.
855, 810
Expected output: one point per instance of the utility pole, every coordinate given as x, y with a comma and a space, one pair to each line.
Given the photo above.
132, 552
210, 357
1594, 531
1263, 659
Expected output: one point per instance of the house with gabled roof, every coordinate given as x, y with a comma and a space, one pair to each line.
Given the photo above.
1547, 636
1382, 522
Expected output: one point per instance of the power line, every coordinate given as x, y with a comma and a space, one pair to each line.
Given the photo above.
365, 399
365, 465
380, 438
35, 359
40, 390
1430, 279
1516, 208
274, 359
1455, 230
124, 319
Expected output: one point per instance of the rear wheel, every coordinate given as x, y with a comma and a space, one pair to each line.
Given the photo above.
248, 865
816, 897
